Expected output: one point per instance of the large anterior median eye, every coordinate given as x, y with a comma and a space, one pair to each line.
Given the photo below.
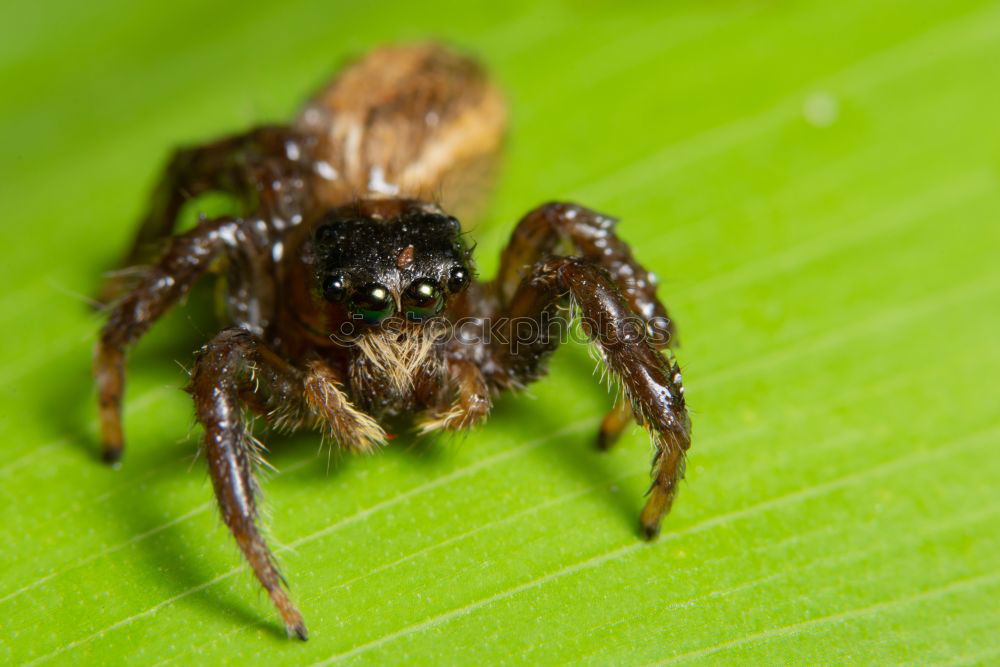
372, 303
421, 300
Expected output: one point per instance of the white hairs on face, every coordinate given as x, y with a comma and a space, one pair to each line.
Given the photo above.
397, 356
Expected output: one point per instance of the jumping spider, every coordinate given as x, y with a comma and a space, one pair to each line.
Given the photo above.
340, 271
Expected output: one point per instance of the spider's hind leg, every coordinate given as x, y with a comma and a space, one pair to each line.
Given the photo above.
230, 165
613, 424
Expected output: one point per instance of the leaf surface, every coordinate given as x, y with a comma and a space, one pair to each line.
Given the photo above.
816, 186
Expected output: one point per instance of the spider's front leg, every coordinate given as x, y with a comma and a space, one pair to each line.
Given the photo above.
232, 365
555, 227
187, 258
651, 384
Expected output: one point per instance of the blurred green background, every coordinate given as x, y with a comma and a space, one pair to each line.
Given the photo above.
816, 183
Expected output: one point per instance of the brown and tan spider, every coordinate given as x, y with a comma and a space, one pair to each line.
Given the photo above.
351, 297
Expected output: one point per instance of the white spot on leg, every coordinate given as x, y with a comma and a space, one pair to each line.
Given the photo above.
164, 282
228, 235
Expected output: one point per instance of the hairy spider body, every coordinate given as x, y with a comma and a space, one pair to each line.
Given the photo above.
350, 296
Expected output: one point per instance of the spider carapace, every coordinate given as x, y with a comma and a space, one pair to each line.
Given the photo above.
351, 292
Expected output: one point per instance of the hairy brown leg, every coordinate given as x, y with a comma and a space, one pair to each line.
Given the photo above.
472, 400
232, 165
226, 367
560, 227
613, 424
186, 259
651, 384
346, 424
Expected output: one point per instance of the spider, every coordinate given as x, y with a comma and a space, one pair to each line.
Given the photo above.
350, 293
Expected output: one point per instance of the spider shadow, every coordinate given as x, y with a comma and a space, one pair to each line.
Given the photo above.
424, 451
170, 563
576, 450
188, 580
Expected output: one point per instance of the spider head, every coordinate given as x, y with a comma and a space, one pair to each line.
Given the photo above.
389, 260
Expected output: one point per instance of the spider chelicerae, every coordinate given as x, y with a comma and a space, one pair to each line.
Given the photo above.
350, 289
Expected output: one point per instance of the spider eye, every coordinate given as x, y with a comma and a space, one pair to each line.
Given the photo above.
458, 280
372, 303
335, 288
421, 300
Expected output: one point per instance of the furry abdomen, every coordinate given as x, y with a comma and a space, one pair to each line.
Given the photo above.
420, 121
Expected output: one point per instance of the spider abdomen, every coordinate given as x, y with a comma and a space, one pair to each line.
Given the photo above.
418, 121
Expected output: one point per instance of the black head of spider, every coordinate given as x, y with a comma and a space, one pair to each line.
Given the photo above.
422, 300
412, 249
372, 304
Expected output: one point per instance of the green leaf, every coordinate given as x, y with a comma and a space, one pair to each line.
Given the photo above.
816, 185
